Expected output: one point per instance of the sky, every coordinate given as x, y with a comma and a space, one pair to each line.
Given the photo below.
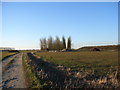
88, 23
59, 0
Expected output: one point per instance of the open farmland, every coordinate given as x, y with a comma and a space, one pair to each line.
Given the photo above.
101, 63
6, 54
75, 69
102, 48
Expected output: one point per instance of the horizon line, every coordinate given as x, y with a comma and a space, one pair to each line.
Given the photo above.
72, 48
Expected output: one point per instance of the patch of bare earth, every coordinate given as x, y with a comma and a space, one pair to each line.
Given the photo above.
13, 76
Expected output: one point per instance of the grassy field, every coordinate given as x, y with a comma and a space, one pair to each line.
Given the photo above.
101, 63
102, 48
6, 54
32, 81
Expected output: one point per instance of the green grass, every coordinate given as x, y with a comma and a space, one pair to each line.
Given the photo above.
32, 80
101, 63
6, 54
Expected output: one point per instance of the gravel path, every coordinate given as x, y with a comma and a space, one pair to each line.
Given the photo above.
13, 76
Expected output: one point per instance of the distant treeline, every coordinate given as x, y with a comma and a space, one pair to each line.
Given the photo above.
57, 44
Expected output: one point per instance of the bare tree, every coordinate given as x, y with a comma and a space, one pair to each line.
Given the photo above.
50, 43
54, 45
63, 43
44, 43
69, 43
58, 43
41, 44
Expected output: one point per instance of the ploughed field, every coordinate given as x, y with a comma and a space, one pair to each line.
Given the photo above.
75, 69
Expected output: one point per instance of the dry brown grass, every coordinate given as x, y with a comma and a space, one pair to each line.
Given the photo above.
6, 54
101, 63
78, 77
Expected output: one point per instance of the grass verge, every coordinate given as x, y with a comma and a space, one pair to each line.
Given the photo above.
5, 55
31, 79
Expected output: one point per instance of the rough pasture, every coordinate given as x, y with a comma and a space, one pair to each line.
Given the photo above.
75, 70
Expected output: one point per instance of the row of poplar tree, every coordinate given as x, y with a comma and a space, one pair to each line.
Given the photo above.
57, 44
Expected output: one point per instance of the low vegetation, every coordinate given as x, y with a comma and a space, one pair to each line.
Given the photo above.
32, 80
102, 48
5, 54
10, 63
77, 69
30, 76
101, 63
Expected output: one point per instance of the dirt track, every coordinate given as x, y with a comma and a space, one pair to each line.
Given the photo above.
12, 75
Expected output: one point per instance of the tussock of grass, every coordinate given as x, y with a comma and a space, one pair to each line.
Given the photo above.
31, 78
11, 62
